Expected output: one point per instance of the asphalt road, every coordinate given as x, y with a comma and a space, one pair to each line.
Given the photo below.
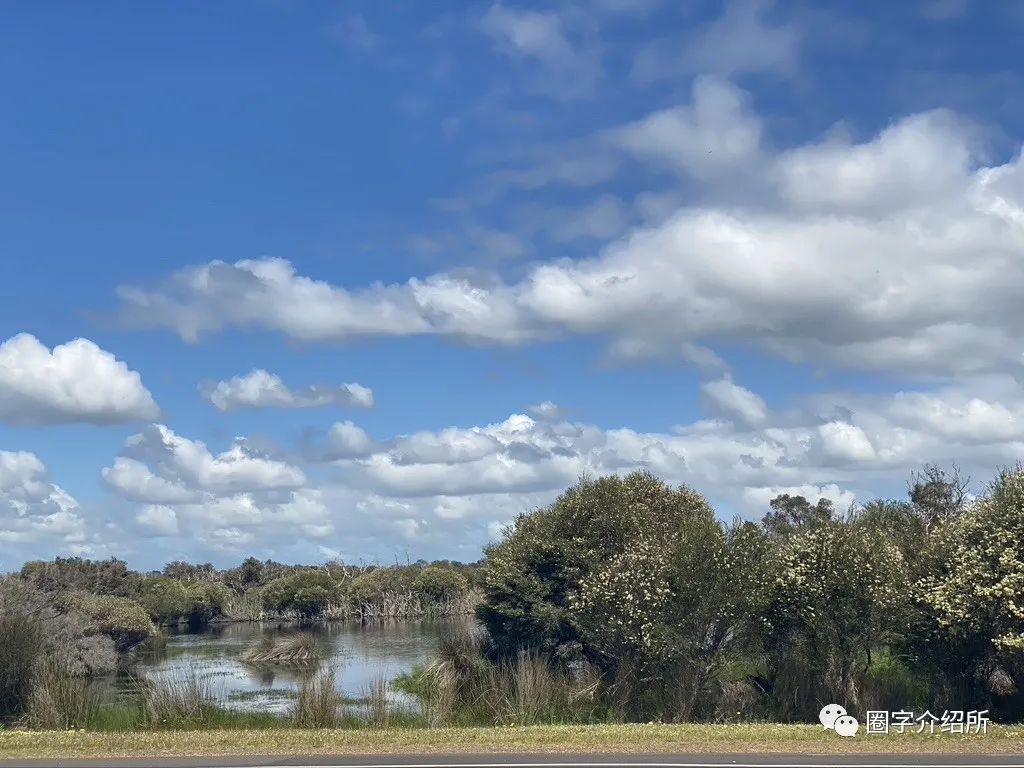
546, 761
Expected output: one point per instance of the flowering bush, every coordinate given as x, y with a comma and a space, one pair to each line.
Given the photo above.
636, 577
975, 598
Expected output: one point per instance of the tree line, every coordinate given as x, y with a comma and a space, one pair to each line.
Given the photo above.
890, 605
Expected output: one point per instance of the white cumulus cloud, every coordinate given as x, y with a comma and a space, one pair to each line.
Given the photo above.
73, 382
261, 389
734, 400
34, 510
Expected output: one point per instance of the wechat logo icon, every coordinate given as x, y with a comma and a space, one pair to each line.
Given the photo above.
835, 717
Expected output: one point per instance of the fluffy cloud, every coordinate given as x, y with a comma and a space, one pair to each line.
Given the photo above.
743, 39
32, 509
547, 411
923, 160
717, 133
453, 477
73, 382
735, 400
161, 520
846, 442
176, 462
346, 440
260, 389
899, 253
133, 480
446, 492
229, 499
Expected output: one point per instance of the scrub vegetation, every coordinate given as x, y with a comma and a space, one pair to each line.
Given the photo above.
624, 601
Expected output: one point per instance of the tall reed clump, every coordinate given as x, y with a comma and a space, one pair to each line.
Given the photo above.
378, 709
301, 648
247, 606
178, 702
450, 689
318, 704
59, 700
464, 686
21, 638
527, 690
36, 633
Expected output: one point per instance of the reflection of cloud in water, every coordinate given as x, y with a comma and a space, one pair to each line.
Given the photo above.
358, 655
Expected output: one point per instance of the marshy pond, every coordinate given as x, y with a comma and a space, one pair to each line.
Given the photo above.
358, 654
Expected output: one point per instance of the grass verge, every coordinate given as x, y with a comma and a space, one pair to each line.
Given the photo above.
548, 738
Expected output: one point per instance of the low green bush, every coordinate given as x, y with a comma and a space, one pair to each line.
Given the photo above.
307, 593
439, 582
124, 620
165, 599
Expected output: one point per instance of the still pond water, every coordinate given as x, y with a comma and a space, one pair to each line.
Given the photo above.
359, 654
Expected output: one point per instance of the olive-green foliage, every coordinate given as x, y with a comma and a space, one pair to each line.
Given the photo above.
528, 577
165, 599
838, 593
190, 572
67, 574
641, 581
124, 620
170, 600
34, 628
248, 575
307, 593
440, 582
371, 586
625, 572
207, 600
972, 630
789, 514
898, 522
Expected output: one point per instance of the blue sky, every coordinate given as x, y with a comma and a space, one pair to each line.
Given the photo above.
363, 280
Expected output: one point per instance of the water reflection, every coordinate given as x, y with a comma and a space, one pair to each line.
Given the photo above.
358, 654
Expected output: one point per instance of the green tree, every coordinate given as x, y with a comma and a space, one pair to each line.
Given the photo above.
189, 572
372, 586
638, 578
206, 599
938, 496
790, 514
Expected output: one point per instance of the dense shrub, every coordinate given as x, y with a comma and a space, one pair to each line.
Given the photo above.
165, 599
440, 582
206, 600
838, 593
972, 627
190, 572
683, 615
68, 574
372, 586
307, 593
125, 621
34, 629
637, 578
